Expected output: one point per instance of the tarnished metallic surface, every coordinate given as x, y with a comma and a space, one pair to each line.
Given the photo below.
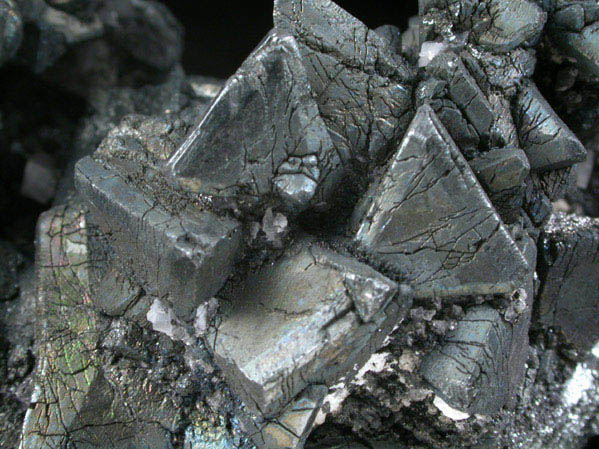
430, 220
185, 258
547, 141
502, 172
569, 271
291, 429
511, 23
463, 91
495, 25
318, 315
470, 371
220, 294
262, 134
574, 26
362, 86
75, 401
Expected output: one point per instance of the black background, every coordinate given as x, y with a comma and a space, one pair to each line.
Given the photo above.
219, 34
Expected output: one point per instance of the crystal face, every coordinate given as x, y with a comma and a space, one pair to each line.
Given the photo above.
361, 239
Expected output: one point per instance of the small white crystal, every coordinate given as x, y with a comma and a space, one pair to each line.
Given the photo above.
332, 402
450, 412
375, 364
274, 226
204, 314
428, 52
581, 381
163, 320
578, 384
40, 178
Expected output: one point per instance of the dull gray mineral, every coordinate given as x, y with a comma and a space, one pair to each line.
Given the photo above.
430, 220
10, 263
494, 25
501, 169
55, 32
433, 92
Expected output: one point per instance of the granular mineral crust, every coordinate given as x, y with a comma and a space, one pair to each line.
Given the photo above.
362, 239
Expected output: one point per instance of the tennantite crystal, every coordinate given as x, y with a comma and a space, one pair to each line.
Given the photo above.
350, 243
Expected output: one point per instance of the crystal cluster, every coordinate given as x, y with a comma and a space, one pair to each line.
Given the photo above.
353, 242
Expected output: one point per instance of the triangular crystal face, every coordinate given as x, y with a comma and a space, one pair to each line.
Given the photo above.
430, 220
262, 133
324, 26
546, 139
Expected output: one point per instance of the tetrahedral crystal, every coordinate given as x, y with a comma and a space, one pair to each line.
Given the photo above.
187, 255
318, 314
430, 220
276, 142
547, 141
362, 86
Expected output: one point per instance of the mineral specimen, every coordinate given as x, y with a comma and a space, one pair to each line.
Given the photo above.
353, 242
